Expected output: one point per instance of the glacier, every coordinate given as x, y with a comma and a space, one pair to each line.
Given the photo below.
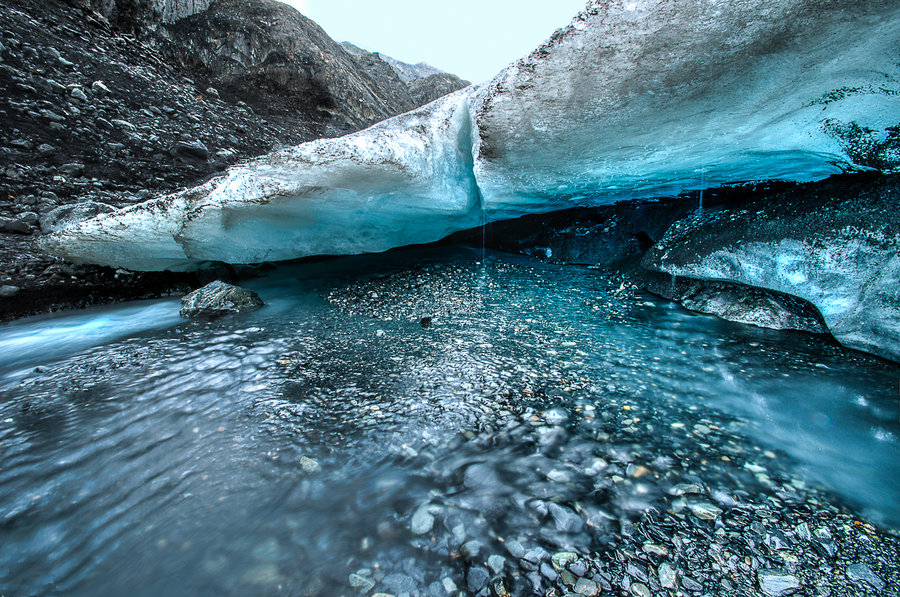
635, 98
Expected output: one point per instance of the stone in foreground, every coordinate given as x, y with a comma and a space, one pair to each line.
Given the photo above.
218, 298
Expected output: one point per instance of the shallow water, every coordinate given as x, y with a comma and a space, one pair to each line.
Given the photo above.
282, 450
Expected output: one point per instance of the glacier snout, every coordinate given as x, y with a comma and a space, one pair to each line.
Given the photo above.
633, 99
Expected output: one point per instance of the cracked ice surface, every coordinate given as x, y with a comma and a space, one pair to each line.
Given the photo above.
633, 99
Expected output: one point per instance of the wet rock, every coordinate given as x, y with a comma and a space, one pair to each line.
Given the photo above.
496, 563
21, 224
219, 298
640, 590
422, 520
65, 215
776, 583
704, 510
666, 576
308, 465
566, 520
477, 578
587, 587
740, 303
361, 583
79, 94
72, 169
562, 559
862, 573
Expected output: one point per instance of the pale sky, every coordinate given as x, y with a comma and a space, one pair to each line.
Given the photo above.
473, 39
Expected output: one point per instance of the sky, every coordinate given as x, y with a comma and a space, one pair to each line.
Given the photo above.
473, 39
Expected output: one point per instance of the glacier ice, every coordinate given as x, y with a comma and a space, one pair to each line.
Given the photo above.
846, 264
634, 98
403, 181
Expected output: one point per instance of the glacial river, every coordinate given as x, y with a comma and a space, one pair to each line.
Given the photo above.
337, 438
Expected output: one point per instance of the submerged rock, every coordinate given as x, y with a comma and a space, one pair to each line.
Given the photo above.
219, 298
632, 99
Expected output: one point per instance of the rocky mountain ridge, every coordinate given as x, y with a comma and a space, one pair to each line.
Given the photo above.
101, 107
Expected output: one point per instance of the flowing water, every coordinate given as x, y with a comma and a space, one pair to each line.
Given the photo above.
336, 432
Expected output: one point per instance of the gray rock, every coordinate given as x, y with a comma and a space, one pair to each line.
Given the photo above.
66, 215
496, 563
587, 587
21, 224
79, 94
477, 578
741, 303
307, 465
704, 510
99, 88
72, 169
422, 520
862, 573
566, 520
361, 583
640, 590
8, 291
776, 583
190, 150
219, 298
666, 576
562, 559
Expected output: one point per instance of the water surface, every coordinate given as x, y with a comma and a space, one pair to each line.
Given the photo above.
282, 450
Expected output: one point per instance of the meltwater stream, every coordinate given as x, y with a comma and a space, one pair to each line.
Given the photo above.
337, 438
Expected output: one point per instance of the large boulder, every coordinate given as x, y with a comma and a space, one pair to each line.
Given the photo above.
219, 298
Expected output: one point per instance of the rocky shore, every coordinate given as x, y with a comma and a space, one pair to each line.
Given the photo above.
562, 494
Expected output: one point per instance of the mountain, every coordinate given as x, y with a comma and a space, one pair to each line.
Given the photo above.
109, 102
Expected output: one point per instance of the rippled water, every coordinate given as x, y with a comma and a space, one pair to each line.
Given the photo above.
282, 450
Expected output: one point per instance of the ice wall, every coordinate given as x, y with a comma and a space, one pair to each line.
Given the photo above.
647, 98
635, 98
407, 180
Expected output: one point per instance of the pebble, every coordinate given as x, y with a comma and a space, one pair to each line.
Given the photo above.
78, 94
496, 563
308, 465
422, 520
705, 510
361, 583
562, 559
862, 572
587, 587
99, 88
776, 583
477, 578
640, 590
666, 576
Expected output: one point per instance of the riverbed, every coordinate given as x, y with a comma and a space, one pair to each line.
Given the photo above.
436, 421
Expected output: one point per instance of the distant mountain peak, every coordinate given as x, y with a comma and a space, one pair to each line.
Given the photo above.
406, 71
